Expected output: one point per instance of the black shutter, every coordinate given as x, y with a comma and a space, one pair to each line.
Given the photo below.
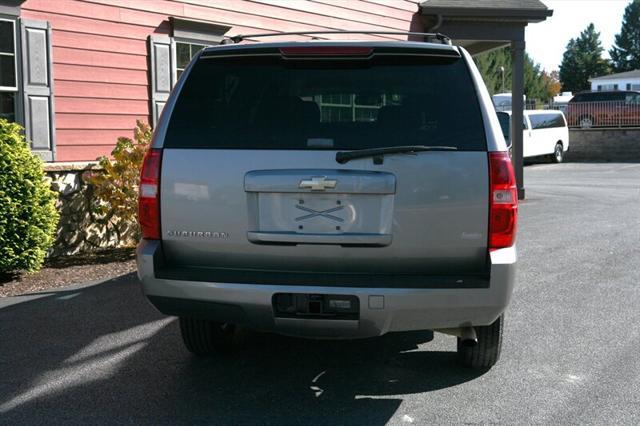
162, 64
37, 87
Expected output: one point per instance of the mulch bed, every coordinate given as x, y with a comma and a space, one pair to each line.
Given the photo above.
64, 271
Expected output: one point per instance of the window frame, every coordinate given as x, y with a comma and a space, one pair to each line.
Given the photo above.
14, 55
17, 58
177, 71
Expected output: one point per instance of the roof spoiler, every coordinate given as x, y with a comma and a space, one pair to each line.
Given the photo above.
428, 37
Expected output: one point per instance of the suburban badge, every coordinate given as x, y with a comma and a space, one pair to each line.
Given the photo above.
198, 234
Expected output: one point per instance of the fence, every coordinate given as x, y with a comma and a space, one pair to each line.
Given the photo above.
587, 115
603, 114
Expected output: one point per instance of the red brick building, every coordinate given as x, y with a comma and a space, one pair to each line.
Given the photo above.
78, 73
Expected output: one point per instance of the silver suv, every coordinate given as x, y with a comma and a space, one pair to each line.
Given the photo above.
330, 190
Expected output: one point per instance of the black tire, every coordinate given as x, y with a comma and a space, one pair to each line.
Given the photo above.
558, 153
487, 352
206, 338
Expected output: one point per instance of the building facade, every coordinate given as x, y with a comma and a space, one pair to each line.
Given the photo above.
629, 80
79, 73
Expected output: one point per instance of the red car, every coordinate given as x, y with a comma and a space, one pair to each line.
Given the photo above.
604, 109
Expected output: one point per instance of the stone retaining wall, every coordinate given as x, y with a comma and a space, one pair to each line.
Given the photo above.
606, 145
80, 229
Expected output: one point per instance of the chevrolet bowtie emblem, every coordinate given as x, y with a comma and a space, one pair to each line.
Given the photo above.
318, 183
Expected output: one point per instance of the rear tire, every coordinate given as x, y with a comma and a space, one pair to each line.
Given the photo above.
206, 338
487, 352
558, 153
586, 122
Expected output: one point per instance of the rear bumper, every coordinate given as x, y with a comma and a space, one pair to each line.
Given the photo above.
382, 310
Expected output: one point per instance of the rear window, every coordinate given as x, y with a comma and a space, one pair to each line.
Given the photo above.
271, 103
546, 121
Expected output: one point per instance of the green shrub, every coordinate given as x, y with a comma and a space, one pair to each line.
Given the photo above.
116, 185
28, 215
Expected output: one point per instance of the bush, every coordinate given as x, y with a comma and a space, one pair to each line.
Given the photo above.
116, 185
28, 215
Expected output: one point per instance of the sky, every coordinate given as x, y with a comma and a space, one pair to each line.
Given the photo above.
546, 41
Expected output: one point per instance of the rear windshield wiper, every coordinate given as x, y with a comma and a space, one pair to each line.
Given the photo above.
345, 156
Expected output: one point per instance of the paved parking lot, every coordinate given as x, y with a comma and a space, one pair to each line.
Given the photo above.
100, 353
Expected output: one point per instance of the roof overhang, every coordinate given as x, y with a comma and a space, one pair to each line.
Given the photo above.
10, 7
482, 25
517, 14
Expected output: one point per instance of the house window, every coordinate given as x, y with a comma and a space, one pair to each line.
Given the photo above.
352, 108
171, 55
184, 52
607, 87
8, 74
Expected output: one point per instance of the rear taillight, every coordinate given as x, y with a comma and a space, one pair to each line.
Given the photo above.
503, 202
149, 195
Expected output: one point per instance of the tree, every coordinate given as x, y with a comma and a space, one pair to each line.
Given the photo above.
491, 64
552, 84
582, 60
625, 54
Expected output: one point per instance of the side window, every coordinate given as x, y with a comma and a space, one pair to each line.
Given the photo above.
8, 68
535, 121
546, 121
555, 120
525, 125
632, 99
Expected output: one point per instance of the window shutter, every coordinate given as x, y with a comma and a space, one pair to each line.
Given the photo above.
163, 73
37, 87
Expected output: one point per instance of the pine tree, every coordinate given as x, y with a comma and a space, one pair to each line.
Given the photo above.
625, 54
489, 64
582, 60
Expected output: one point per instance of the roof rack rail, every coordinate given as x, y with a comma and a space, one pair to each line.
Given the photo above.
428, 36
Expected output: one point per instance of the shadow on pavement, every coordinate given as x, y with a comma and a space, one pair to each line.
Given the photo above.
103, 354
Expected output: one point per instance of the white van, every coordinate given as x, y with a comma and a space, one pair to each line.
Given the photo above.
545, 132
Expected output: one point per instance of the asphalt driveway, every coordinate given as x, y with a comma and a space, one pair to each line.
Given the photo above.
98, 353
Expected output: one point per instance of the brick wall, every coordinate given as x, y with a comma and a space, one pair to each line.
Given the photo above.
607, 145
